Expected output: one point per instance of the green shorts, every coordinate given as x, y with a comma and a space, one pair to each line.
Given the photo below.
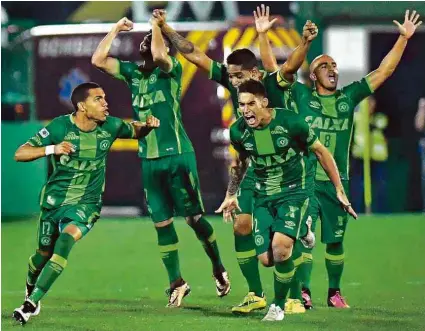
53, 221
172, 188
326, 206
246, 194
287, 216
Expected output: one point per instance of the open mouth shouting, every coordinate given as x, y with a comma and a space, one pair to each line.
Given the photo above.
250, 119
332, 77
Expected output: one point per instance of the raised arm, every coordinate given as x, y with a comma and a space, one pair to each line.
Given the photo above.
191, 52
159, 49
420, 116
27, 153
100, 58
296, 58
327, 161
237, 172
389, 63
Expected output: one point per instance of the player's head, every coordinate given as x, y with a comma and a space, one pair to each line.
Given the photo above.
324, 72
253, 102
242, 66
145, 45
89, 98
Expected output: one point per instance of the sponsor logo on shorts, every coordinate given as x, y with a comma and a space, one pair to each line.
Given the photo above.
104, 145
279, 130
43, 133
45, 241
339, 233
289, 225
282, 142
259, 240
81, 214
249, 146
103, 134
292, 211
343, 107
258, 186
50, 200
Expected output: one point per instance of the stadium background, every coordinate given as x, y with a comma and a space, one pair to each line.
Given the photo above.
120, 278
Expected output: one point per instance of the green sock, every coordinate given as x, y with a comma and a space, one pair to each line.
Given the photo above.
205, 233
334, 258
36, 263
248, 262
295, 290
53, 267
283, 274
305, 268
167, 242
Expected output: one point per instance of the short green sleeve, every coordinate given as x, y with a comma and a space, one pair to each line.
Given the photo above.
219, 74
126, 70
357, 91
47, 135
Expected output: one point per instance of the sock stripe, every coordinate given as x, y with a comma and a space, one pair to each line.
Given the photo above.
298, 261
167, 248
211, 238
307, 257
246, 254
31, 265
59, 260
331, 257
284, 277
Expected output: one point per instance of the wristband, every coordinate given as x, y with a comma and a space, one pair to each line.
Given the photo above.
50, 150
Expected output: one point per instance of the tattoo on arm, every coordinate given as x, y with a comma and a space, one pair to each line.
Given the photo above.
237, 173
183, 46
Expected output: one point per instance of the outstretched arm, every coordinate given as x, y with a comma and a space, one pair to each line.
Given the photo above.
142, 129
159, 50
100, 58
296, 58
191, 52
420, 116
238, 170
389, 63
327, 161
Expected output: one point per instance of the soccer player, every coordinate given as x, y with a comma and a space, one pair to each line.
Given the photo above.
77, 144
329, 112
242, 66
170, 176
277, 141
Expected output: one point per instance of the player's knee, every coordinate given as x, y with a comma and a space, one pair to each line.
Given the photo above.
242, 226
191, 220
163, 223
282, 250
45, 253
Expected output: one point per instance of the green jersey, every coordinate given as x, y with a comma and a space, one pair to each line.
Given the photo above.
276, 87
278, 154
331, 118
80, 176
157, 93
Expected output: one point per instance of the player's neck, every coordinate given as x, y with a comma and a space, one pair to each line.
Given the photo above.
83, 123
323, 91
267, 118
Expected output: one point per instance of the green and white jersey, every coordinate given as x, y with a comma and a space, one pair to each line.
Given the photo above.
80, 176
157, 93
331, 118
278, 153
276, 87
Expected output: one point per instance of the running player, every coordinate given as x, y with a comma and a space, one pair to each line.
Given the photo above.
329, 112
77, 145
242, 66
170, 176
277, 141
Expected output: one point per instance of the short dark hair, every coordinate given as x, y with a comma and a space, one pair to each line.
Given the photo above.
81, 92
243, 57
254, 87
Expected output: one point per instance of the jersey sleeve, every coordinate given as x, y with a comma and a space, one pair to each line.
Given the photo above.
176, 70
235, 139
218, 73
47, 135
357, 91
126, 130
302, 133
126, 70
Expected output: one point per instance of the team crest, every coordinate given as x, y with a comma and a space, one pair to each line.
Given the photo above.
282, 142
45, 241
259, 240
152, 79
343, 107
104, 145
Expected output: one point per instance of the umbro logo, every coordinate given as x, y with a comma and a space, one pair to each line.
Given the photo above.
279, 130
315, 104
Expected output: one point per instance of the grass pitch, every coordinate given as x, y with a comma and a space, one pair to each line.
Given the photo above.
115, 280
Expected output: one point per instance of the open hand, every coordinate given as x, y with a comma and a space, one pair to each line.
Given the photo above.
262, 22
409, 26
228, 207
64, 148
